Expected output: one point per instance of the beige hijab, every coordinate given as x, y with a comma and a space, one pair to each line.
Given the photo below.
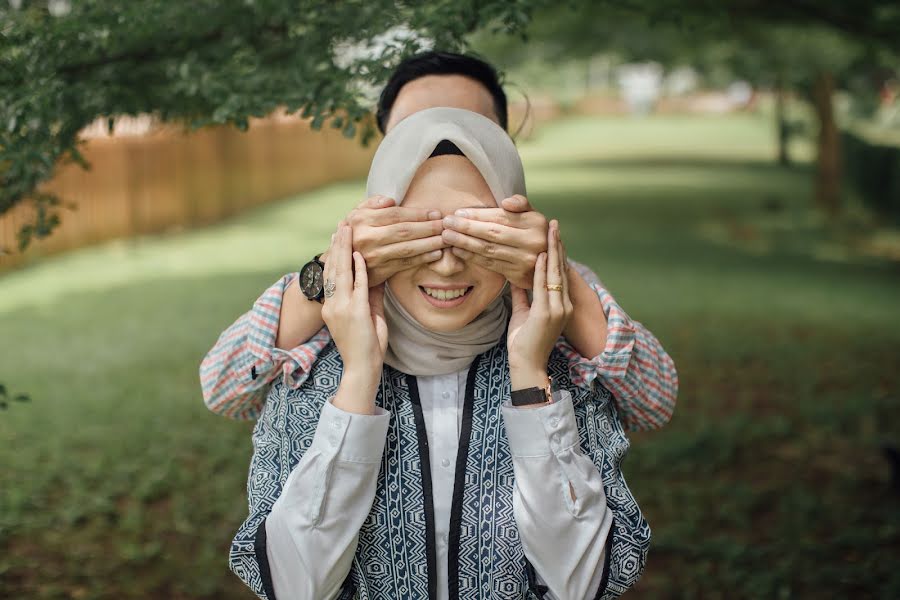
412, 348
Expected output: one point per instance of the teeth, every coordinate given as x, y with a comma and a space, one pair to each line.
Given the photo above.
444, 294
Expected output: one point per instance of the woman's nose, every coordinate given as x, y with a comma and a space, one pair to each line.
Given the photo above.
448, 264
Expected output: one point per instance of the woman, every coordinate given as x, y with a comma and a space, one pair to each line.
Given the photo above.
371, 481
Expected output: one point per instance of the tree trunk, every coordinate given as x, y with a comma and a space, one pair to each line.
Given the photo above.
828, 168
781, 123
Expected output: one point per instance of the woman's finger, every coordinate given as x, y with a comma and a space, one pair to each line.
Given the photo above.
563, 264
343, 267
564, 267
539, 292
554, 277
328, 271
360, 279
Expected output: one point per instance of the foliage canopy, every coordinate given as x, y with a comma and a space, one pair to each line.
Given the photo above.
65, 63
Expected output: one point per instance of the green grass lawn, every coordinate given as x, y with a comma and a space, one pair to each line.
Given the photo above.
769, 482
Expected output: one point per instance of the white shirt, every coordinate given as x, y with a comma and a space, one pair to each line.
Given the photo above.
313, 530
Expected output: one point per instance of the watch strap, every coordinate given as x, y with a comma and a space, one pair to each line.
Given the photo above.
532, 395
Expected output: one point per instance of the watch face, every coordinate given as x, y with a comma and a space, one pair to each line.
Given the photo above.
311, 279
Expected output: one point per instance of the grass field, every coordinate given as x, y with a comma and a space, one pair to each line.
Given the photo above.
769, 482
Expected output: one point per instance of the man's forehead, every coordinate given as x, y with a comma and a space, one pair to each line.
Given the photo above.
430, 91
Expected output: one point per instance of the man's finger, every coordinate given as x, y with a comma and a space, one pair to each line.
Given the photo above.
383, 254
401, 232
484, 248
497, 233
490, 215
517, 204
503, 267
401, 264
376, 201
399, 214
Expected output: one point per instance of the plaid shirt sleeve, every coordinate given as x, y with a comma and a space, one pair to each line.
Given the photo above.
236, 373
633, 365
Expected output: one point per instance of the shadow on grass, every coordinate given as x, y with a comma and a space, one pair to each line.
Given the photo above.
123, 485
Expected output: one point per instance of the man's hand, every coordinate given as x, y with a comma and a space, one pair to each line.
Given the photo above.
393, 238
507, 240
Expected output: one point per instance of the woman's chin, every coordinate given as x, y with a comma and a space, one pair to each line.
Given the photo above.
441, 323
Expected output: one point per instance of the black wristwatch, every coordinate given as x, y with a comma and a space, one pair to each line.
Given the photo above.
534, 395
312, 279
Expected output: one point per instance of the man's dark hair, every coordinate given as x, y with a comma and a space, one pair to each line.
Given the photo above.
441, 63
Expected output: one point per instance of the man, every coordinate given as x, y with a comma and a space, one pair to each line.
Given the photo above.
284, 331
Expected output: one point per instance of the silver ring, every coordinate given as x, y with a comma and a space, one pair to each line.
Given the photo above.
329, 288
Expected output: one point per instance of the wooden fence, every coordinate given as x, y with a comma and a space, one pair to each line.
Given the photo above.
167, 179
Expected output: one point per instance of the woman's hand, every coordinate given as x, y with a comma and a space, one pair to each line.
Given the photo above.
533, 330
393, 238
506, 240
354, 314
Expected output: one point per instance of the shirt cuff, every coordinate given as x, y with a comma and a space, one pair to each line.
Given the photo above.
351, 437
296, 363
550, 429
613, 362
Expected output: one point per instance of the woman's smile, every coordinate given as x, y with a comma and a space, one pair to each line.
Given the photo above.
445, 296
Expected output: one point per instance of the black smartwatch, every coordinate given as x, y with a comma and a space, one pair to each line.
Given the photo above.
312, 279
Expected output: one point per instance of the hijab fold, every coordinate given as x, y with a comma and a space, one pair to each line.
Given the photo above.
412, 348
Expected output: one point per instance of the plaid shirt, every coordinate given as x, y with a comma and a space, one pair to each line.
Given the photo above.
236, 373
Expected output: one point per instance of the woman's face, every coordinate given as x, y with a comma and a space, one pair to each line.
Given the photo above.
449, 293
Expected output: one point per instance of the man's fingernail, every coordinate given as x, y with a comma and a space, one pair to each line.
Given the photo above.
462, 213
434, 215
449, 221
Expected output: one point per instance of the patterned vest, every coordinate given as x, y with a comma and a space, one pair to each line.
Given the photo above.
396, 555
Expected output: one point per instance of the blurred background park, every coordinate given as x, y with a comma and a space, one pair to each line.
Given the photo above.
730, 170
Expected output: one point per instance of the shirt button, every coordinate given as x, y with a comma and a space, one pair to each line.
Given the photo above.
445, 395
444, 538
332, 440
555, 439
336, 423
445, 462
554, 421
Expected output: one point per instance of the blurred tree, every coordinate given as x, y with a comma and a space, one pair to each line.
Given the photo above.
64, 63
790, 44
